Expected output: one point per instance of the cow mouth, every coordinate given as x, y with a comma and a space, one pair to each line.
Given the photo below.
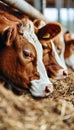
41, 89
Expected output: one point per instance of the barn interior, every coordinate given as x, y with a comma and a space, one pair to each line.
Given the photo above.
55, 112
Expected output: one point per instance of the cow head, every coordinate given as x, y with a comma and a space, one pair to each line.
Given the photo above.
69, 49
18, 60
51, 59
69, 53
27, 29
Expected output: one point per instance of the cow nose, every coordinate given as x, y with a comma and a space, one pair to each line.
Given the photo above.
65, 74
48, 90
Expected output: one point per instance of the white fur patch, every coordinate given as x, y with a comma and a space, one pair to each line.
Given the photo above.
56, 55
60, 62
62, 53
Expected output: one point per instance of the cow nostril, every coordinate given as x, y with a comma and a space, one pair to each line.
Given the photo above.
47, 89
64, 73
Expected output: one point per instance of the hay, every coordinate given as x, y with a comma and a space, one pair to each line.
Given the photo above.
55, 112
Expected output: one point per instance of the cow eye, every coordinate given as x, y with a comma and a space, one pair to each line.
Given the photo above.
27, 54
44, 47
58, 48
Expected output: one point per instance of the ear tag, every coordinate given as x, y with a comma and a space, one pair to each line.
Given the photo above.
47, 35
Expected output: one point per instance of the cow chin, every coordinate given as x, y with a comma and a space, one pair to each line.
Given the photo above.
40, 88
56, 73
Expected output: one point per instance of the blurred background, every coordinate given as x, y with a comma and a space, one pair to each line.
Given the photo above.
56, 10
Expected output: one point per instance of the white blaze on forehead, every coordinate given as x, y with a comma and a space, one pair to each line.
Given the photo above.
37, 85
63, 45
63, 61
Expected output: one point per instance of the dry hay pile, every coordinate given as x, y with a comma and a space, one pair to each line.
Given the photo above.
55, 112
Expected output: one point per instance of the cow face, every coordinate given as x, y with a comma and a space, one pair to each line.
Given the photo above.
42, 86
19, 59
51, 59
58, 40
69, 53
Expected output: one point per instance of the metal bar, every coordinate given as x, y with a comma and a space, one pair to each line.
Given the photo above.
40, 5
59, 4
26, 8
43, 5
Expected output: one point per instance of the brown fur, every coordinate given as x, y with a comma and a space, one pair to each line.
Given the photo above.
69, 45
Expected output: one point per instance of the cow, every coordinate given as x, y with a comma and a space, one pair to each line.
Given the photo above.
20, 62
69, 49
27, 30
60, 48
46, 33
65, 46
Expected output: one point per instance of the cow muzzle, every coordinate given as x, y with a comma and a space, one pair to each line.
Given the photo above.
62, 74
40, 89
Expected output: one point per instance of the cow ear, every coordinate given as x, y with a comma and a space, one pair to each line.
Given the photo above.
9, 35
38, 24
49, 31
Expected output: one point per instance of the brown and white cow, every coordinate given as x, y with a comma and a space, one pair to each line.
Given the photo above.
51, 59
69, 49
20, 61
27, 30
